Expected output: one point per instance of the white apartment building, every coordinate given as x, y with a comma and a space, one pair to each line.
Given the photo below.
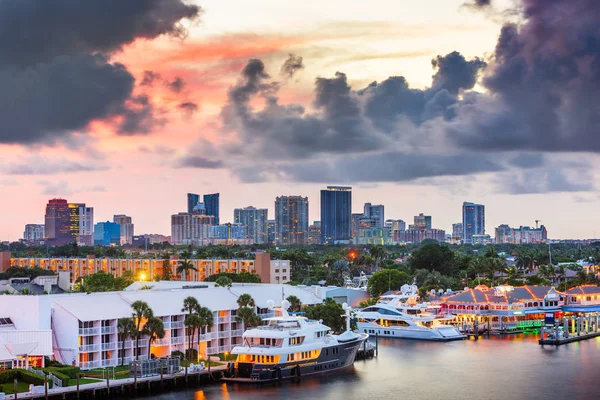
84, 326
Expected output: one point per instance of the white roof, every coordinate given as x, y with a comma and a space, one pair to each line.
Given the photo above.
16, 342
94, 306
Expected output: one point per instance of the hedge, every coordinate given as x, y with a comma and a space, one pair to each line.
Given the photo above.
21, 375
64, 378
67, 370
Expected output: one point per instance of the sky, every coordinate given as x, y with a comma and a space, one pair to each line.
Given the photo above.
417, 104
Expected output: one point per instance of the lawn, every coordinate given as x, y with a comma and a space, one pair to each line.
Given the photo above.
83, 381
8, 387
98, 373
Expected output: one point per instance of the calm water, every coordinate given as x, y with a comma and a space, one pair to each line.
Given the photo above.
497, 368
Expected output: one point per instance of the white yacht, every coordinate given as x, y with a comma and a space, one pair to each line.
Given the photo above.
402, 315
292, 346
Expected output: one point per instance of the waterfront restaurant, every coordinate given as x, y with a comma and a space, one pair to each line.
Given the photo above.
582, 299
504, 308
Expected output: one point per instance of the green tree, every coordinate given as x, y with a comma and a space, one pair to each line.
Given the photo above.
190, 305
155, 329
141, 310
245, 300
330, 312
184, 266
248, 317
191, 323
386, 279
433, 257
206, 321
295, 303
126, 329
166, 270
223, 281
378, 255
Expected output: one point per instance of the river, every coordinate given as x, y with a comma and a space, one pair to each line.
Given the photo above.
513, 367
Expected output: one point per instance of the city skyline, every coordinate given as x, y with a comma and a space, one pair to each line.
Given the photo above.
175, 119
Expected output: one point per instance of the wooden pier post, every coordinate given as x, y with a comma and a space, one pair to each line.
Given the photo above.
135, 377
78, 375
186, 374
161, 377
376, 344
46, 387
107, 385
15, 388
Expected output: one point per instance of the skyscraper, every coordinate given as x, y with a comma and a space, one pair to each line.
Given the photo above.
291, 220
126, 225
256, 222
192, 200
473, 220
107, 233
33, 233
457, 231
57, 224
376, 213
336, 211
314, 233
81, 223
211, 203
422, 221
271, 231
191, 229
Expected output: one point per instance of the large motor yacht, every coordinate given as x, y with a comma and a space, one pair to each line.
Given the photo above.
402, 315
292, 346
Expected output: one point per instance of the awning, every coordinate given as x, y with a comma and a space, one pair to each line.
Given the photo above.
581, 308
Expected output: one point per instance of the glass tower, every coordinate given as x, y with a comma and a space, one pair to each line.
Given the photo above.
211, 203
473, 220
336, 211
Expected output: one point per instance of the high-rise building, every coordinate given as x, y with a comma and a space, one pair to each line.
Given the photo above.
211, 204
504, 234
57, 223
376, 213
33, 233
422, 221
81, 223
192, 200
126, 228
107, 233
271, 231
520, 235
291, 220
227, 231
457, 231
256, 222
418, 235
314, 233
189, 228
473, 220
336, 211
395, 225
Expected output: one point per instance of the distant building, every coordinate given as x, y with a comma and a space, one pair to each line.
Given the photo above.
373, 235
192, 200
154, 238
418, 235
520, 235
481, 239
375, 213
57, 226
457, 231
227, 231
473, 220
107, 233
291, 220
314, 233
81, 223
189, 228
422, 221
256, 222
336, 211
271, 231
211, 202
126, 225
33, 233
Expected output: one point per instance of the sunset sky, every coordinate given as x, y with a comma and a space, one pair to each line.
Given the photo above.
110, 105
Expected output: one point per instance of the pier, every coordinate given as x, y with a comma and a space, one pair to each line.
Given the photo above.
581, 328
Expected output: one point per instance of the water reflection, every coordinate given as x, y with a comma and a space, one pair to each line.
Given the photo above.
501, 367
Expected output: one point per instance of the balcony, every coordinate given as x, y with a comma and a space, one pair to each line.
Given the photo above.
128, 344
237, 332
167, 324
223, 334
109, 346
177, 340
105, 330
176, 324
208, 336
109, 363
89, 331
223, 320
212, 350
90, 364
223, 349
162, 342
88, 348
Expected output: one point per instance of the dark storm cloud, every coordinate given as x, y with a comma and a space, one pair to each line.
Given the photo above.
538, 181
188, 108
139, 117
55, 70
292, 65
149, 78
176, 85
199, 162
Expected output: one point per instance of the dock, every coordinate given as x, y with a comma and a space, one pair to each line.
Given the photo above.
117, 388
582, 328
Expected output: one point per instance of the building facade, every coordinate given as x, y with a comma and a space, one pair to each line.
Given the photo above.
57, 224
271, 231
211, 202
372, 236
190, 228
256, 222
473, 220
107, 233
34, 233
520, 235
336, 211
376, 213
422, 221
82, 223
314, 233
418, 235
291, 220
192, 200
457, 231
227, 231
126, 225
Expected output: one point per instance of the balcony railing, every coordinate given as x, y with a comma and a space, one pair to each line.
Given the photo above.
162, 342
223, 320
88, 348
212, 350
177, 340
90, 364
167, 324
109, 346
176, 324
89, 331
208, 336
108, 330
223, 349
223, 334
128, 344
237, 332
110, 363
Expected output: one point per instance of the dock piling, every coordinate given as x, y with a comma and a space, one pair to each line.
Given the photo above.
15, 389
78, 375
107, 385
46, 387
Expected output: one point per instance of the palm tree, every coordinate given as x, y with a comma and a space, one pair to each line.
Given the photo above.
245, 300
192, 322
206, 320
248, 317
190, 305
184, 266
155, 329
126, 329
295, 303
141, 310
477, 266
378, 254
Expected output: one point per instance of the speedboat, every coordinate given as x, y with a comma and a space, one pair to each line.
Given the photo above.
401, 315
288, 346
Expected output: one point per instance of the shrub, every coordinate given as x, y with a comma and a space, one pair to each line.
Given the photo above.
177, 353
21, 375
67, 370
63, 377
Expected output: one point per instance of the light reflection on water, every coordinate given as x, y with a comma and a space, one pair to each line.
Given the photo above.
510, 367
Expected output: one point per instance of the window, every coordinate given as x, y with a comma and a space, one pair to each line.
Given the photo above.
588, 298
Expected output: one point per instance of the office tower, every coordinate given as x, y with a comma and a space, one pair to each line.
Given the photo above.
81, 223
107, 233
457, 231
33, 233
126, 228
271, 231
422, 221
473, 220
314, 233
211, 204
256, 222
395, 225
57, 223
192, 200
336, 211
227, 231
191, 229
291, 220
520, 235
355, 220
376, 213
